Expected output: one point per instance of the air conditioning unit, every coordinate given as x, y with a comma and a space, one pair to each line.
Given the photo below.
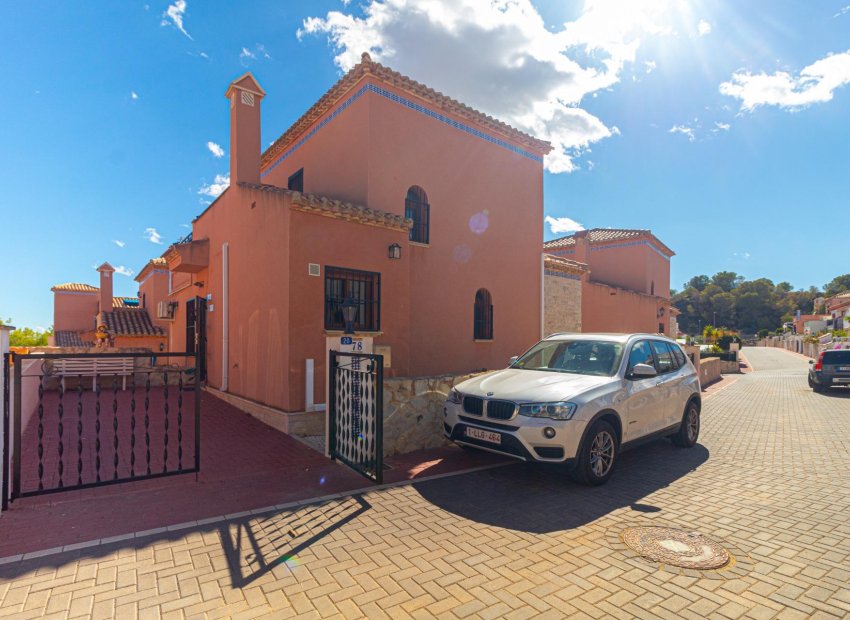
165, 310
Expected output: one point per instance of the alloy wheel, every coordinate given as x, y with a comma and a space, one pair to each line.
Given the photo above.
602, 454
693, 425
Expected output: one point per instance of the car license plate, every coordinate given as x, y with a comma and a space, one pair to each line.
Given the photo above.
841, 380
477, 433
844, 368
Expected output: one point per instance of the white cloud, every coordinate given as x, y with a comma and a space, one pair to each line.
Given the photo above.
214, 189
119, 243
215, 149
559, 225
814, 84
124, 271
703, 28
650, 66
175, 13
246, 53
134, 95
153, 236
504, 60
686, 130
718, 126
842, 11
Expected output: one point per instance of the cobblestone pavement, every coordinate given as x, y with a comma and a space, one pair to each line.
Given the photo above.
769, 481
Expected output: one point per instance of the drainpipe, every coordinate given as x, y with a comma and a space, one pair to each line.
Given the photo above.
542, 296
224, 315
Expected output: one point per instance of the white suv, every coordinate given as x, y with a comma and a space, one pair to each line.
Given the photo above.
580, 399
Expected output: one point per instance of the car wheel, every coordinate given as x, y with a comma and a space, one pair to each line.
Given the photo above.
811, 383
598, 455
817, 388
689, 429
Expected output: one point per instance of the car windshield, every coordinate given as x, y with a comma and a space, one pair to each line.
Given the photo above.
581, 357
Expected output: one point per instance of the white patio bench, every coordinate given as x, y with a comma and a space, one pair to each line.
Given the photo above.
94, 367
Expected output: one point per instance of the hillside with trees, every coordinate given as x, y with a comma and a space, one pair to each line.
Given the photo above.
727, 299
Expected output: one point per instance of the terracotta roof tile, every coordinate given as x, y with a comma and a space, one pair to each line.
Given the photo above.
328, 207
557, 263
125, 302
69, 339
129, 322
75, 287
605, 235
368, 67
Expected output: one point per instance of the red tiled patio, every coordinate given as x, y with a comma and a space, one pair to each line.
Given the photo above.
245, 465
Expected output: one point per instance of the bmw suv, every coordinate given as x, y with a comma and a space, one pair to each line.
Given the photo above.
580, 399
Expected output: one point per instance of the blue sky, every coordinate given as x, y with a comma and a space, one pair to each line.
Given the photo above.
722, 126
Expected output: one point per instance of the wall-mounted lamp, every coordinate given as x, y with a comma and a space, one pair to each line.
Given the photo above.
349, 311
395, 251
660, 312
199, 284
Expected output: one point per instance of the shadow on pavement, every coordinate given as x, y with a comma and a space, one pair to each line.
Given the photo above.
537, 498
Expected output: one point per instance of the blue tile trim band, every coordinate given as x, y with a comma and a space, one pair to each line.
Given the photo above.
412, 105
630, 244
558, 274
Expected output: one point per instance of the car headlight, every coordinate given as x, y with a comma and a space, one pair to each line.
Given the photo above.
455, 397
553, 411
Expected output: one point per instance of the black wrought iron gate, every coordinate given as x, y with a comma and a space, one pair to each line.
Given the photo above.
356, 412
90, 419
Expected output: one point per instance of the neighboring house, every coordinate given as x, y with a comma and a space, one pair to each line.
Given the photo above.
838, 307
422, 211
80, 309
620, 276
810, 323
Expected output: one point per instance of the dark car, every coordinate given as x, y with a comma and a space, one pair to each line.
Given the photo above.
832, 368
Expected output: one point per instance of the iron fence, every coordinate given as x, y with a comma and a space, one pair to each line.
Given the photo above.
92, 419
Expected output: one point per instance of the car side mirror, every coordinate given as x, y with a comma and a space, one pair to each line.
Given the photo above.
643, 371
513, 360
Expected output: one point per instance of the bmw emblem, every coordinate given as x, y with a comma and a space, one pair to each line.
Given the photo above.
489, 393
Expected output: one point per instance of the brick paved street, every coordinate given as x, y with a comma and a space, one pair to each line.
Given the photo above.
769, 480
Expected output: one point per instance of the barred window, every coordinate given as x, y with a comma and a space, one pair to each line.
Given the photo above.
483, 325
361, 287
416, 208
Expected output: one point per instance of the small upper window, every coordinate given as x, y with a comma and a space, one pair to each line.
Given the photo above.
652, 288
483, 327
296, 181
416, 208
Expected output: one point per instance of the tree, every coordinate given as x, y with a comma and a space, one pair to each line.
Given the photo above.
727, 280
839, 284
27, 336
698, 282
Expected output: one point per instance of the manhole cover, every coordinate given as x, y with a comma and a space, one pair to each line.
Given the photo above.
676, 547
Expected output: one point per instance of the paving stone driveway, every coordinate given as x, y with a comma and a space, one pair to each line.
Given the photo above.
769, 479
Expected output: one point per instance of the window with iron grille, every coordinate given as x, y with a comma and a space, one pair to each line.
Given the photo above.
363, 288
483, 327
416, 208
296, 181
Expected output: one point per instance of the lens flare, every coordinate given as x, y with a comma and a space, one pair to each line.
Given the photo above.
479, 222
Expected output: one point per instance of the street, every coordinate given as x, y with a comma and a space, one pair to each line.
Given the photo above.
768, 481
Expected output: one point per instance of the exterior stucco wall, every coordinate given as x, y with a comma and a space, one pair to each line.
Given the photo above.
634, 267
562, 303
612, 309
486, 214
74, 311
152, 290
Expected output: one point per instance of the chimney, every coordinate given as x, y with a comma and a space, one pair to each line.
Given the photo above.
245, 96
106, 270
582, 246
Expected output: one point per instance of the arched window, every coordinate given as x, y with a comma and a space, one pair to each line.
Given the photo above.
483, 323
416, 208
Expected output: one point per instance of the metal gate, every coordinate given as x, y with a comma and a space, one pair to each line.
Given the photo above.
356, 412
91, 419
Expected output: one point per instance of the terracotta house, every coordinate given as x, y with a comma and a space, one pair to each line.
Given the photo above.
608, 280
838, 308
81, 310
425, 213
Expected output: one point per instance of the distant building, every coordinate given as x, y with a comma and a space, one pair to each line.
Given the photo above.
621, 276
838, 309
81, 311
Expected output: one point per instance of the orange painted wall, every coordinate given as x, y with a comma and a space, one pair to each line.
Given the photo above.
633, 267
153, 289
335, 159
610, 309
486, 209
74, 311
